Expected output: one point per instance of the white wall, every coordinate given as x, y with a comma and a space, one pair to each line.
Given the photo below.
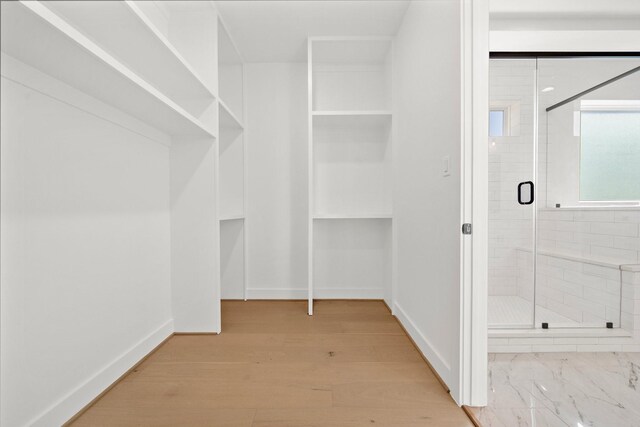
427, 205
276, 141
85, 246
195, 271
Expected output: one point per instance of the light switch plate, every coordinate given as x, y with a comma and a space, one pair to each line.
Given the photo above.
446, 166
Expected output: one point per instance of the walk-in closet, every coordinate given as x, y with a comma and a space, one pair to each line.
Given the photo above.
245, 187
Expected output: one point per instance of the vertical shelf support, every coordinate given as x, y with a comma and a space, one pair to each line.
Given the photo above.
310, 170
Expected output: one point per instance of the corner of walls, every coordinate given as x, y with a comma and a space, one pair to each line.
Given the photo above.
72, 403
428, 350
195, 275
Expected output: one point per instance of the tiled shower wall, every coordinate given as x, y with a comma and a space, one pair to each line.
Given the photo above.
598, 233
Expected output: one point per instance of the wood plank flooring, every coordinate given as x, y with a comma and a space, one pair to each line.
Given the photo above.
349, 365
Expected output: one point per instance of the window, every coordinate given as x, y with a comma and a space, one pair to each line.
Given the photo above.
610, 151
497, 122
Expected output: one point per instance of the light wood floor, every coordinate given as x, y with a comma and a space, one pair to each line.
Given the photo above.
348, 365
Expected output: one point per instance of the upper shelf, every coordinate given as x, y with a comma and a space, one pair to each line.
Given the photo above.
128, 34
227, 119
354, 216
35, 35
352, 113
376, 118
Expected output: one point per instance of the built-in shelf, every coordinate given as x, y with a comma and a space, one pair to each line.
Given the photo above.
354, 216
231, 217
353, 113
228, 120
352, 119
38, 37
162, 64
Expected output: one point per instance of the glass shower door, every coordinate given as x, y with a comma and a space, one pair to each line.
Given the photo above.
512, 96
588, 187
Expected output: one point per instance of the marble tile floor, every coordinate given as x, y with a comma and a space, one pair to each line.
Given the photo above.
562, 389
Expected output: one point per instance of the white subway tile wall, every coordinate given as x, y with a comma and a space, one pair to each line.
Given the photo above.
609, 235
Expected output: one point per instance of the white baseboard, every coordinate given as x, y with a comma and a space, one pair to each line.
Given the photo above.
277, 293
326, 293
426, 348
348, 293
69, 405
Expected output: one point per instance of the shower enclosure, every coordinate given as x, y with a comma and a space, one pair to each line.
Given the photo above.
564, 189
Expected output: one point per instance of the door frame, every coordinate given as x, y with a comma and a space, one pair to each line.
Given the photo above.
475, 202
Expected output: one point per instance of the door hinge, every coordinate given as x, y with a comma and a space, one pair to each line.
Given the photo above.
466, 228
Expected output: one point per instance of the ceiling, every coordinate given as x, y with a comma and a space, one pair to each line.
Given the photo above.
277, 31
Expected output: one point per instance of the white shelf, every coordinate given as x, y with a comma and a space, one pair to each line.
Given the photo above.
35, 35
352, 119
162, 65
353, 113
227, 119
354, 216
231, 217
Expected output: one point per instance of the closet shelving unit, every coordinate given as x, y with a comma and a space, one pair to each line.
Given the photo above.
231, 168
60, 39
156, 62
350, 168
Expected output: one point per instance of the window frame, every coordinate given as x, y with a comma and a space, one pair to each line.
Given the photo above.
506, 119
601, 106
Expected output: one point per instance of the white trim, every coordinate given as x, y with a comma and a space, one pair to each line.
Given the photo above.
565, 41
310, 187
438, 362
394, 156
245, 184
69, 405
300, 293
475, 297
338, 292
609, 105
506, 119
466, 194
560, 333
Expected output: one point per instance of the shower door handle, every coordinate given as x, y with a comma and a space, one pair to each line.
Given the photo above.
522, 184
